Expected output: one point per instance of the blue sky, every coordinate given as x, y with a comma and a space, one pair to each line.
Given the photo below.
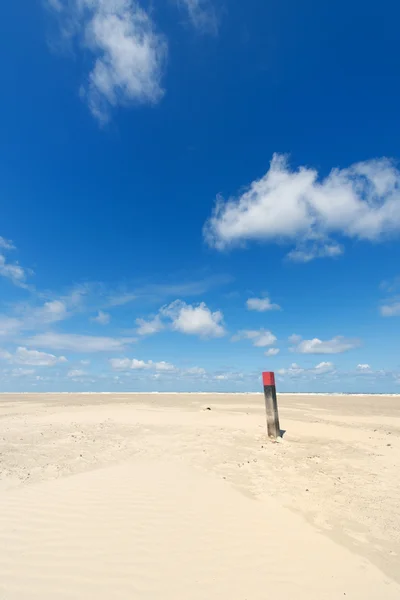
195, 191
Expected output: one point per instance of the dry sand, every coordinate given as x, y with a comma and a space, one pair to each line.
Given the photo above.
129, 496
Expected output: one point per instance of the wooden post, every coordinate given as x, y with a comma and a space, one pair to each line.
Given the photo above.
271, 405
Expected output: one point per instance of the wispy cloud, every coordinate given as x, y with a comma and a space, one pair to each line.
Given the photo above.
259, 337
149, 327
297, 207
76, 373
125, 364
120, 298
128, 54
160, 292
78, 343
261, 304
6, 244
391, 309
202, 14
315, 248
30, 316
102, 318
9, 325
272, 352
336, 345
364, 368
295, 370
12, 271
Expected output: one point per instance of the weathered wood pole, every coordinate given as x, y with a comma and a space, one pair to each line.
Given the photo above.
271, 405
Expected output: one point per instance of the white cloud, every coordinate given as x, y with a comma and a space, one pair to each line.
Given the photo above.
231, 376
55, 5
260, 338
20, 372
324, 367
194, 319
125, 364
23, 356
294, 339
195, 371
9, 325
295, 370
364, 368
12, 271
312, 249
336, 345
139, 364
163, 366
298, 207
6, 244
149, 327
50, 312
121, 298
261, 304
78, 343
128, 54
102, 318
201, 14
160, 292
76, 373
391, 310
120, 364
272, 352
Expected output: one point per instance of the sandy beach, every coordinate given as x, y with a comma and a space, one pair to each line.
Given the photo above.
152, 496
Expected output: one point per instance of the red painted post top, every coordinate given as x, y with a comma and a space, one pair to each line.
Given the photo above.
268, 378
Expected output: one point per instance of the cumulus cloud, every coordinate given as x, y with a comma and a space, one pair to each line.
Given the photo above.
258, 337
261, 304
298, 207
272, 352
336, 345
102, 318
149, 327
194, 319
125, 364
201, 14
23, 356
128, 54
78, 343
